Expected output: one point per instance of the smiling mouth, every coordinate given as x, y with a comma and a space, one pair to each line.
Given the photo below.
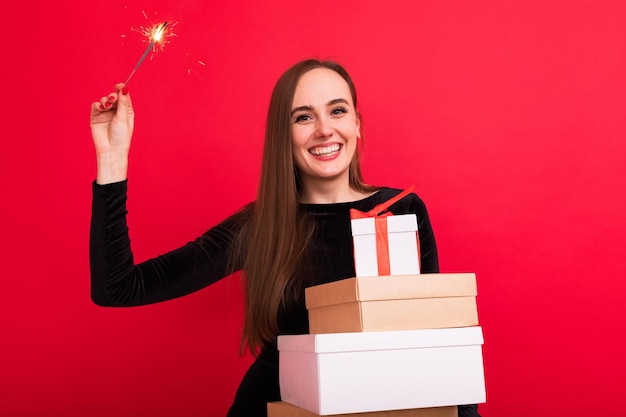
325, 151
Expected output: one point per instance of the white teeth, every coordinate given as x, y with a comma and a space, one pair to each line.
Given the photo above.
326, 151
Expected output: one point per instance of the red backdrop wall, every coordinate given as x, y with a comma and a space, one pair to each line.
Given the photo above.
508, 116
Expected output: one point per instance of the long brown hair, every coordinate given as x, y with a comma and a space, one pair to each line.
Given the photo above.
274, 240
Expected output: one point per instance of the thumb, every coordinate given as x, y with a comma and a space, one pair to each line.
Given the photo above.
124, 103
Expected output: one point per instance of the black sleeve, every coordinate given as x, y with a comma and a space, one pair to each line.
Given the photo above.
117, 281
468, 410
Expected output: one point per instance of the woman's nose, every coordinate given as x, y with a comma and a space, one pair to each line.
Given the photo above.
323, 127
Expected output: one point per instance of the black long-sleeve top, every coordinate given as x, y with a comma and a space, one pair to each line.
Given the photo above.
117, 281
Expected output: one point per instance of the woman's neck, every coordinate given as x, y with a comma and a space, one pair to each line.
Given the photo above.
330, 192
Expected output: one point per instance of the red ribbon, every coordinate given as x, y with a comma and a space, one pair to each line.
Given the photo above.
380, 222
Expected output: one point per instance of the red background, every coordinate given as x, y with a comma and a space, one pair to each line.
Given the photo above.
508, 117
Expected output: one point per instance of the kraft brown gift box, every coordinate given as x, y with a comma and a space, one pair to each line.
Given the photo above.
283, 409
400, 302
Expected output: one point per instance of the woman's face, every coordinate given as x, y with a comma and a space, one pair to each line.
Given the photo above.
324, 126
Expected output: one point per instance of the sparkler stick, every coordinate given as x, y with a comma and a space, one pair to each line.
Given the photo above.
157, 35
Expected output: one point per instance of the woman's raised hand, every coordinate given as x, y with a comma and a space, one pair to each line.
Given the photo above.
112, 121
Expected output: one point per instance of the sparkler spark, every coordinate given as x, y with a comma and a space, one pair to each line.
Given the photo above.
157, 35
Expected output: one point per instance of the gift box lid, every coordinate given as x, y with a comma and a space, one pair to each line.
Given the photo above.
390, 340
397, 287
395, 224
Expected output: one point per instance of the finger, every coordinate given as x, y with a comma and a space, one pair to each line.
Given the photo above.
112, 97
107, 102
97, 107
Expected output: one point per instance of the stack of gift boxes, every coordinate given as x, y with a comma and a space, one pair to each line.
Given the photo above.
389, 342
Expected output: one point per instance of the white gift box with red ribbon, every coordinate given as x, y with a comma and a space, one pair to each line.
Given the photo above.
385, 244
374, 252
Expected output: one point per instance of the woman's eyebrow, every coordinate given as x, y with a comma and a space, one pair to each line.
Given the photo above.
337, 100
301, 108
309, 108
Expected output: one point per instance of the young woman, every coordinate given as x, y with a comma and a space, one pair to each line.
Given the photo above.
296, 234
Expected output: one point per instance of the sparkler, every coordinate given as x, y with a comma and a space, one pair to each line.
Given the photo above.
156, 35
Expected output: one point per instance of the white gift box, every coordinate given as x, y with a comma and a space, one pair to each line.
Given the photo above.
402, 249
341, 373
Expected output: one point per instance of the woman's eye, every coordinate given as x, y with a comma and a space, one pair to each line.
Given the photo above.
302, 118
339, 110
